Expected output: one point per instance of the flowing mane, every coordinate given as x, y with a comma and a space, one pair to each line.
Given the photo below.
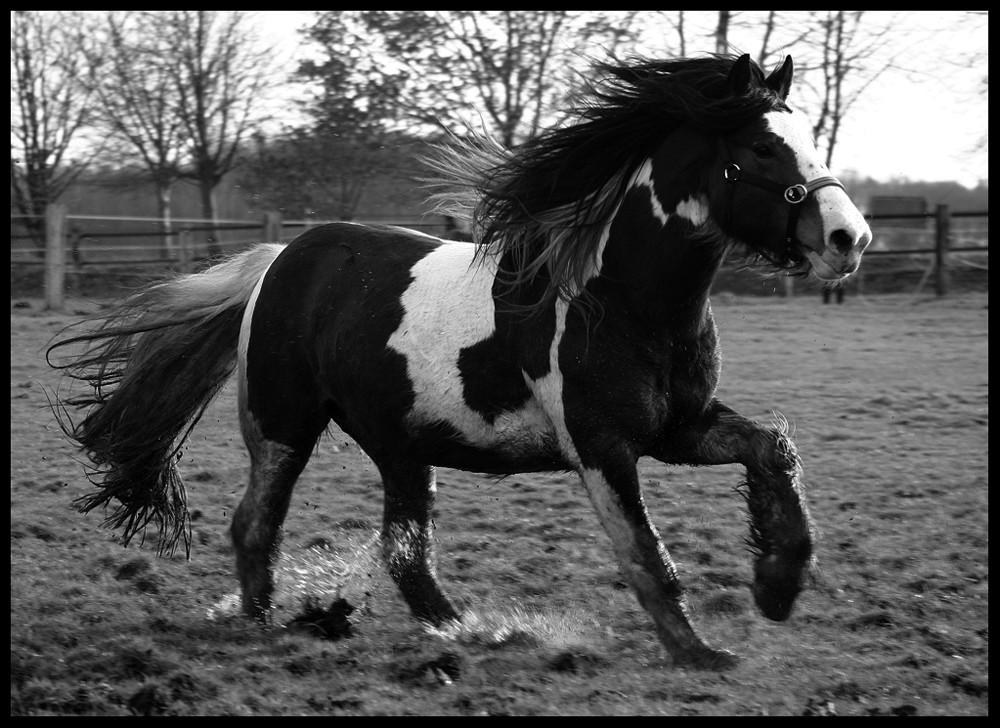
546, 203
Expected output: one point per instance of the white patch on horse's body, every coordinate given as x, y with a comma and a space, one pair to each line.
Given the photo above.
643, 177
694, 210
449, 307
251, 427
549, 390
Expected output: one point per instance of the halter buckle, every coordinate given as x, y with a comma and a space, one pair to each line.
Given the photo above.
796, 194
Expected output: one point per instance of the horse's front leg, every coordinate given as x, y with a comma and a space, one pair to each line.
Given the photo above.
781, 532
613, 486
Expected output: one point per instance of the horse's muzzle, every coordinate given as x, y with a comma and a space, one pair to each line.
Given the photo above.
842, 255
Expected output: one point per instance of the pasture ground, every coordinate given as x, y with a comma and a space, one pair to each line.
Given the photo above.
888, 397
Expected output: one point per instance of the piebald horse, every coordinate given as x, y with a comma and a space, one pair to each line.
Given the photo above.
574, 334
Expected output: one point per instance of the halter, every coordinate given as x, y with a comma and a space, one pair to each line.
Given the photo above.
794, 195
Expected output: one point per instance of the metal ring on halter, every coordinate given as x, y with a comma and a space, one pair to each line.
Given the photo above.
735, 169
796, 194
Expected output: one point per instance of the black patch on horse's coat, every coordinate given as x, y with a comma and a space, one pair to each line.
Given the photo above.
318, 349
520, 324
492, 383
493, 369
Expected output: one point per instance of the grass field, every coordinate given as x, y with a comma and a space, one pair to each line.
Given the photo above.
888, 397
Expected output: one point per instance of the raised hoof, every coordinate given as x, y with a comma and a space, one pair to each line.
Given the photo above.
708, 659
777, 583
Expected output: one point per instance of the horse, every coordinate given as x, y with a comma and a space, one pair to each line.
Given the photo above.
574, 334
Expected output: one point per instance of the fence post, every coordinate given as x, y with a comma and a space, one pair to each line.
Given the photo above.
55, 256
943, 220
272, 227
184, 252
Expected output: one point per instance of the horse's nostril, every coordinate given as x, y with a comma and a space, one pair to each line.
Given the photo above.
841, 241
864, 241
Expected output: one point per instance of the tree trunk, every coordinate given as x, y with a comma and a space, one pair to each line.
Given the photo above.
722, 32
207, 187
163, 191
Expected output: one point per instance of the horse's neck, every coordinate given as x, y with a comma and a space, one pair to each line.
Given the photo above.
656, 262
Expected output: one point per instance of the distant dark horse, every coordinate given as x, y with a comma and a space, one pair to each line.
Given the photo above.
575, 335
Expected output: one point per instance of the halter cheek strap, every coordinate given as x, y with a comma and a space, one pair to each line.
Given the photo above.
794, 195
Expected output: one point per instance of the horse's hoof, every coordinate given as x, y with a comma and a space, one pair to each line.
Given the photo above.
709, 659
777, 583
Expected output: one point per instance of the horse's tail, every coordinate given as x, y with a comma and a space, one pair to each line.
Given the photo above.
152, 366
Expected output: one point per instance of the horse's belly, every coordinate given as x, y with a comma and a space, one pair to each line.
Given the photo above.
514, 442
522, 433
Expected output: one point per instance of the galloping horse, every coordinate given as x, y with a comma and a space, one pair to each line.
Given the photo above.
574, 334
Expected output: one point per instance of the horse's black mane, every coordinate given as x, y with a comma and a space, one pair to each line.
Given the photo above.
546, 202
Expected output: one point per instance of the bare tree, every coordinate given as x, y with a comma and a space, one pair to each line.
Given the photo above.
975, 56
507, 70
838, 55
682, 40
722, 31
355, 110
853, 57
50, 110
132, 80
218, 70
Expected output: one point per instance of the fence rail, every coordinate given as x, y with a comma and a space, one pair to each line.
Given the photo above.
184, 244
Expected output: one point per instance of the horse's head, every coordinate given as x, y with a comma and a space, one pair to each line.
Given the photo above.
771, 190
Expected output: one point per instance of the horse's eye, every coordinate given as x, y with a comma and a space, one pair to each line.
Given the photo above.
762, 150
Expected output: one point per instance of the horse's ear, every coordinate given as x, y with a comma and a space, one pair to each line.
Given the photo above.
740, 75
780, 81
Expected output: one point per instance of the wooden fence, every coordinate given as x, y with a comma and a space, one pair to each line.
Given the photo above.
943, 226
184, 254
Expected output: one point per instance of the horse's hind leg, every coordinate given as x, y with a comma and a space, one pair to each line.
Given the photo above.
407, 539
256, 529
781, 530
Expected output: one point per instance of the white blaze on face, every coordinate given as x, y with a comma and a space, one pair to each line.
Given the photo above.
793, 128
836, 210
